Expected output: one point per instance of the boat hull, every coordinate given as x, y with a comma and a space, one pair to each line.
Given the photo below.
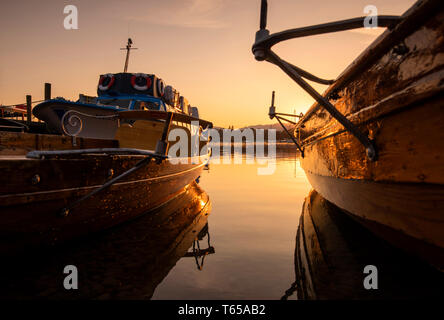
407, 215
401, 195
397, 100
31, 212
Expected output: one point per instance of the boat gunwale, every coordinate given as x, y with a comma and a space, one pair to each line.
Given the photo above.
409, 22
320, 135
7, 199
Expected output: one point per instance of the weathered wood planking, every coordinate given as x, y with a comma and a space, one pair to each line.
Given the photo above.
410, 148
399, 104
419, 15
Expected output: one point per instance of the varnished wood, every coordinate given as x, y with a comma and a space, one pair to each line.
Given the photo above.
33, 191
141, 134
31, 213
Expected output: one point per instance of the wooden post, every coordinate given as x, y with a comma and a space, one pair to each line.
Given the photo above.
47, 91
28, 109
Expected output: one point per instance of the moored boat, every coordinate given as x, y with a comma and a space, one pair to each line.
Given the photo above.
373, 143
102, 161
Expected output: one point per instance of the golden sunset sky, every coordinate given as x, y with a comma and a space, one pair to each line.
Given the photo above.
200, 47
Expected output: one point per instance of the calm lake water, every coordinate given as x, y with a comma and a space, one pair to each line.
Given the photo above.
251, 230
253, 227
233, 236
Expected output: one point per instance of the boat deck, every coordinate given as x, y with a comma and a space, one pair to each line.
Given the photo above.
14, 157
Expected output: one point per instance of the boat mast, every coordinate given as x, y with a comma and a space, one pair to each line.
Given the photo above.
128, 49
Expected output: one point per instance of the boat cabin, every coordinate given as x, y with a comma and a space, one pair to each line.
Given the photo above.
131, 102
139, 91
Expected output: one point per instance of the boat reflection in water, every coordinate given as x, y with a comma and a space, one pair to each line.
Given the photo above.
127, 262
332, 251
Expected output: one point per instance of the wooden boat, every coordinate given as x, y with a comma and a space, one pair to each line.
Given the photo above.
332, 251
127, 262
373, 143
35, 193
53, 197
97, 165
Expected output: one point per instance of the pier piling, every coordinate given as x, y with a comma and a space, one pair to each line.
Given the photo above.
28, 109
47, 91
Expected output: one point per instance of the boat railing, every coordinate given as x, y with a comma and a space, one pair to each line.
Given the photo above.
72, 123
264, 41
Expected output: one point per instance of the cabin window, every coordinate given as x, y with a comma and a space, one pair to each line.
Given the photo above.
146, 105
122, 103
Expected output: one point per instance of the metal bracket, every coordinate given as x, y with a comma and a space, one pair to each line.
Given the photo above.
272, 114
349, 126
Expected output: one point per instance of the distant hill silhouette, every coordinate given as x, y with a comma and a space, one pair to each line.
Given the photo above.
275, 126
